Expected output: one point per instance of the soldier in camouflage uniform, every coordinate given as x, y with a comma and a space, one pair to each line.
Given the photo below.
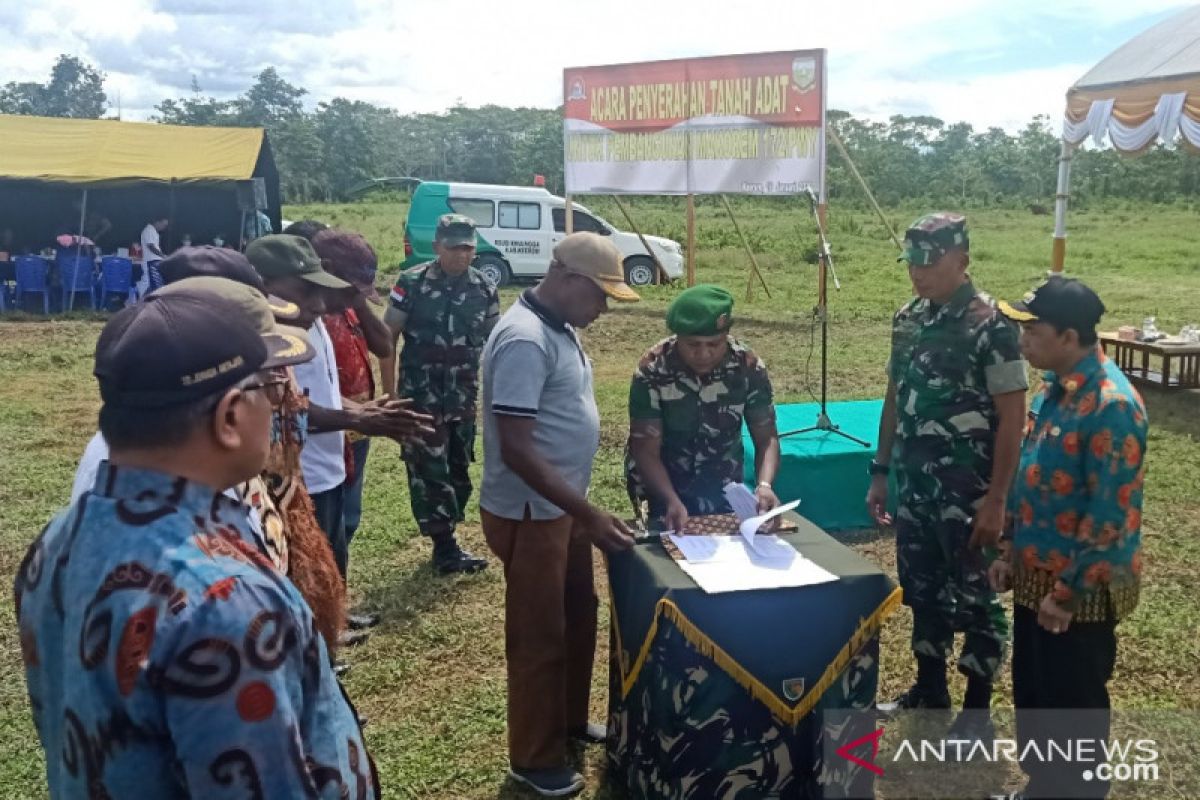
445, 309
951, 430
687, 401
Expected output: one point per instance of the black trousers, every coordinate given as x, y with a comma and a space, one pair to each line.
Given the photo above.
330, 508
1060, 690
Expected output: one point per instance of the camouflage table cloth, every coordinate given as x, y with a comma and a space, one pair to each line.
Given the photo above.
737, 695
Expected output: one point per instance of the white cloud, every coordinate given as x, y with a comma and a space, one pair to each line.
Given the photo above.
424, 55
1006, 100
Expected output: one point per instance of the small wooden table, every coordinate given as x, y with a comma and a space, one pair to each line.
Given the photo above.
1180, 363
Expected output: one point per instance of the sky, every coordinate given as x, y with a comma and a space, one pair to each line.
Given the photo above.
986, 63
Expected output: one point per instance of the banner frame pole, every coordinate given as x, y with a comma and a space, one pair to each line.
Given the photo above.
691, 239
746, 244
837, 142
662, 272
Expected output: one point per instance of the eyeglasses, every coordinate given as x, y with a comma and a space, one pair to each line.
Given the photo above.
274, 389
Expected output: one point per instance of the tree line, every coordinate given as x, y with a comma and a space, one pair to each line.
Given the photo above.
335, 149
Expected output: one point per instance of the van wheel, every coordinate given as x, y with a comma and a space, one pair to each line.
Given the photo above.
640, 271
494, 269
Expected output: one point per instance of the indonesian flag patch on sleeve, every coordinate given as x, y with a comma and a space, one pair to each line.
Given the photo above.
397, 295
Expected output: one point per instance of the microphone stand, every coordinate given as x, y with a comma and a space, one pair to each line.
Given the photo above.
825, 264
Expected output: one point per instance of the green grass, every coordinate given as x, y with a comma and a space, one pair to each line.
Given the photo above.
431, 679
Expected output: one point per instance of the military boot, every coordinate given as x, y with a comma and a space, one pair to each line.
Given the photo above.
449, 558
929, 692
973, 725
918, 697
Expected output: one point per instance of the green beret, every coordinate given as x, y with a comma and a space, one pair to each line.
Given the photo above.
703, 310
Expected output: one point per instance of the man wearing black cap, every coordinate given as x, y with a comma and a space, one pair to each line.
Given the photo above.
186, 262
277, 503
165, 656
1074, 562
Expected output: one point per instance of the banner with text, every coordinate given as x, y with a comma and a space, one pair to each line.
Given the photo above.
744, 124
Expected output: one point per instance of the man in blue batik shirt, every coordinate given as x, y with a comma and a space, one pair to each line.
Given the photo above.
164, 654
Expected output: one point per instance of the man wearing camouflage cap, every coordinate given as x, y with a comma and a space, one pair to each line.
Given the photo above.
445, 309
687, 401
951, 430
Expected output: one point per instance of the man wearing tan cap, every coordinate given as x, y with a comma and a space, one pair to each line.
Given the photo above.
541, 430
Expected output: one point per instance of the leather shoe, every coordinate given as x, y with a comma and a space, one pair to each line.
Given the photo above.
449, 562
591, 733
352, 638
357, 622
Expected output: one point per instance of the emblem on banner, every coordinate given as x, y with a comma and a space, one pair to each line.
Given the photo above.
804, 73
793, 689
576, 92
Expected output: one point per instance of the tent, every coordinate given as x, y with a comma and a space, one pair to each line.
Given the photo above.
199, 178
1147, 90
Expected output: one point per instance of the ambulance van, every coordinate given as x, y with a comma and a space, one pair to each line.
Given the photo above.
518, 227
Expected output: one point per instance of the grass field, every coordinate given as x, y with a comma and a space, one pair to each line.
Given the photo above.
431, 678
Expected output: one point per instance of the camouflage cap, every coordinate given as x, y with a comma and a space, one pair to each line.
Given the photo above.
455, 230
932, 236
704, 310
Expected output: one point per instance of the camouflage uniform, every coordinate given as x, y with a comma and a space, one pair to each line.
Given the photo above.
700, 421
946, 363
446, 322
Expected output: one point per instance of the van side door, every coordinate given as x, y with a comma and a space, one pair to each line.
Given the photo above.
522, 235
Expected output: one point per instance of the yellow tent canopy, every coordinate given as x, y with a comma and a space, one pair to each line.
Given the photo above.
1146, 90
95, 152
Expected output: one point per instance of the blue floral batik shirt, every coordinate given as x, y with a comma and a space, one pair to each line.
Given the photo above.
165, 656
1077, 500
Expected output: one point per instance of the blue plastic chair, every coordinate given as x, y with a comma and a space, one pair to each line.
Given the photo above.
78, 275
8, 276
33, 277
116, 277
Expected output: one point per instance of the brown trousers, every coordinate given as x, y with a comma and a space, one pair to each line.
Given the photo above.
549, 633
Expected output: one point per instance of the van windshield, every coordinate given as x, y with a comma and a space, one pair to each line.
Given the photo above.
584, 221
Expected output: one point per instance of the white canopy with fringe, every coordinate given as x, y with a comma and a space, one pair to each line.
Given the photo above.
1145, 91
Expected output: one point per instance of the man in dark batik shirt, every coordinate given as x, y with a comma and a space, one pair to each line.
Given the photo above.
165, 654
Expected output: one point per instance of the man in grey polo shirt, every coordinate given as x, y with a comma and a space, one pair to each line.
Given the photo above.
541, 430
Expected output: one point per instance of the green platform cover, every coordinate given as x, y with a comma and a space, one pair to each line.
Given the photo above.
827, 472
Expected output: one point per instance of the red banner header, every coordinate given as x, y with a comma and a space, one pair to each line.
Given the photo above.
773, 88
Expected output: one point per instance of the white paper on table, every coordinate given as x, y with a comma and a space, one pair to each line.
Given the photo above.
750, 573
749, 527
771, 551
741, 500
696, 548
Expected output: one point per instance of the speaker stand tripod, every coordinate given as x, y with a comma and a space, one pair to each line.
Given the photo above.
825, 264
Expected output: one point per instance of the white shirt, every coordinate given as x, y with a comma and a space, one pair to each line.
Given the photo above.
150, 237
97, 451
322, 458
89, 464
